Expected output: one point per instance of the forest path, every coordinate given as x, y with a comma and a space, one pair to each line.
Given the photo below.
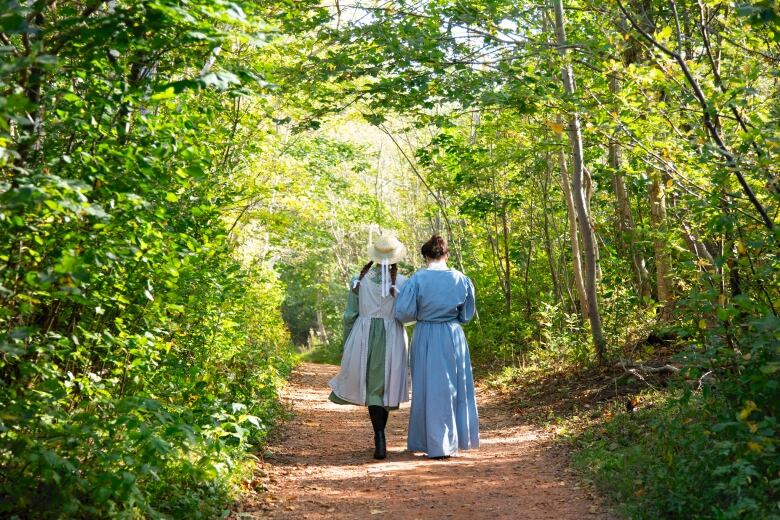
322, 467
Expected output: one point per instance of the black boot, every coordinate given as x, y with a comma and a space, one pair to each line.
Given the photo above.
380, 445
378, 420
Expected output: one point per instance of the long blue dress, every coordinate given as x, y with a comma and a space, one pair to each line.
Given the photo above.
443, 415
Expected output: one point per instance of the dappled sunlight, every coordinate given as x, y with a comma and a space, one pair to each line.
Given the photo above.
519, 438
321, 467
191, 191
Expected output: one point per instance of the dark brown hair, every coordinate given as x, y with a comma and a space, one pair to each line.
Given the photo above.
393, 275
435, 247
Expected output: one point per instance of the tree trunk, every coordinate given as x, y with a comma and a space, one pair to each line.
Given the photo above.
321, 332
507, 264
573, 235
625, 221
658, 220
548, 245
578, 192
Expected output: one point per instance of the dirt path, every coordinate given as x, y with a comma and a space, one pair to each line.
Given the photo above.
321, 468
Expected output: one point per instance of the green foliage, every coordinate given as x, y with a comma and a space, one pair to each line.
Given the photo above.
682, 248
712, 453
143, 353
185, 190
328, 352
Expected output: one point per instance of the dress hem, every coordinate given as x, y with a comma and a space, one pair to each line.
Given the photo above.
336, 399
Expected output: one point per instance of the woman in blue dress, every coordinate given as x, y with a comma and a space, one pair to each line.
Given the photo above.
443, 415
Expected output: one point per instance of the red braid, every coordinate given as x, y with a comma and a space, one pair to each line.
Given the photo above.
363, 272
393, 274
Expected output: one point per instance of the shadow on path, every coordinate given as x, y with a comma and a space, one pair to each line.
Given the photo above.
322, 468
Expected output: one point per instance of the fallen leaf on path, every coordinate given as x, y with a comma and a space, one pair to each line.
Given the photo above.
377, 512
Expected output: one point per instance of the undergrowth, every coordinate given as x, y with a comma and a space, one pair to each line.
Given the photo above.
702, 444
676, 460
327, 352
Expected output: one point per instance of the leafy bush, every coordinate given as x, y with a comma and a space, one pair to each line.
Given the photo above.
148, 424
706, 454
142, 352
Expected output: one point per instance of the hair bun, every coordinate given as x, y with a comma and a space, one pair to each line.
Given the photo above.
435, 247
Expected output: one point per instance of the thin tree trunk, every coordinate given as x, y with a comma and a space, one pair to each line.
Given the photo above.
573, 235
321, 332
527, 283
548, 246
625, 221
507, 264
587, 182
658, 220
703, 257
578, 192
495, 258
710, 118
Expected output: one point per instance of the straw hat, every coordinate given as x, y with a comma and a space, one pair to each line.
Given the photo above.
387, 248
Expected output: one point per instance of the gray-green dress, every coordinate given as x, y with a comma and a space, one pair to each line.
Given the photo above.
374, 365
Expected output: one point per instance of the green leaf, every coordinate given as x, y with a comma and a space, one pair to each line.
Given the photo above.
168, 93
12, 350
770, 368
220, 80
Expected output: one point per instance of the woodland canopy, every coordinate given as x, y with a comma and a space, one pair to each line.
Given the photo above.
186, 188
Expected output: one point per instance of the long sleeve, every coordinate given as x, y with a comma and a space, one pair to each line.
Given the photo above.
467, 309
406, 302
351, 313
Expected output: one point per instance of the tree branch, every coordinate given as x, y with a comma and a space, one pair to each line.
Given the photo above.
707, 112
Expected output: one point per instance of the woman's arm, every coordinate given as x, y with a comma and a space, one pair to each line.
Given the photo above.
468, 307
351, 313
406, 302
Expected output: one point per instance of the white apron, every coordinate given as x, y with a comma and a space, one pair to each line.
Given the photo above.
350, 383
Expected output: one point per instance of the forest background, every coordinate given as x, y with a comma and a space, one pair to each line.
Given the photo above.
187, 188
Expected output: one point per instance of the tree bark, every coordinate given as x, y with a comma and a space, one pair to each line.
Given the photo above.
587, 182
321, 332
662, 262
625, 221
548, 245
578, 193
507, 264
573, 235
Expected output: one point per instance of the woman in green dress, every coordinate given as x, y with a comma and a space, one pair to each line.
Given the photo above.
374, 365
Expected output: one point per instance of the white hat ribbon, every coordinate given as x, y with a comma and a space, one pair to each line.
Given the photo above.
385, 276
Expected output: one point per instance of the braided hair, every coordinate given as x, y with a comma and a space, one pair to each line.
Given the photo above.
393, 274
364, 271
356, 286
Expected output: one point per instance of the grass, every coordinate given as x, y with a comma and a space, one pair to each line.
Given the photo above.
326, 353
